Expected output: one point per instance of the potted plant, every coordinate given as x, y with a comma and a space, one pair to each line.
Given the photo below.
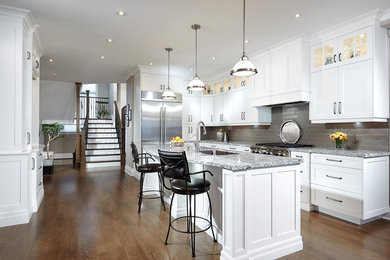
51, 132
103, 112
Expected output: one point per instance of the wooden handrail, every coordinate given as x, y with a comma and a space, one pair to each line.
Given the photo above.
84, 134
120, 130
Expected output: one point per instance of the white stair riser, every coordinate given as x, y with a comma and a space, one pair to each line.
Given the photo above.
90, 135
99, 165
103, 158
99, 152
99, 146
97, 141
101, 125
92, 130
103, 121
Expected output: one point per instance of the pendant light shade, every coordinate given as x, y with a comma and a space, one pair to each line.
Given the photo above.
168, 94
196, 84
243, 67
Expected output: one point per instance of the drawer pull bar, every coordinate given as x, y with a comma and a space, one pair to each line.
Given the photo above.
232, 148
40, 183
332, 160
328, 198
334, 177
299, 156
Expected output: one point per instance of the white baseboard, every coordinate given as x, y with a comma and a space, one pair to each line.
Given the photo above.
387, 216
16, 217
132, 172
307, 207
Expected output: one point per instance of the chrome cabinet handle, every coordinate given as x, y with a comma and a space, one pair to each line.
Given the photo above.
333, 160
40, 167
334, 108
28, 55
33, 163
334, 177
28, 138
299, 156
329, 198
211, 118
244, 115
334, 58
37, 64
40, 183
340, 56
340, 108
213, 146
232, 148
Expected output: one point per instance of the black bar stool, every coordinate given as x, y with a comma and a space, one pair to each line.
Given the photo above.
174, 166
144, 169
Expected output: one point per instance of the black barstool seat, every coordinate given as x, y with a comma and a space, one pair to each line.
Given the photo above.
196, 186
150, 167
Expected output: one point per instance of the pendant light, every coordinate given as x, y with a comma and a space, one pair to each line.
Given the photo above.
196, 84
168, 94
243, 67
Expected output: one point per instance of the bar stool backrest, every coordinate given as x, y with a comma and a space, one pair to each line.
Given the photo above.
174, 165
134, 152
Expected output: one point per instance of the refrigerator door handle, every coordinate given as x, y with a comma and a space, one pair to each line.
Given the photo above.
161, 125
164, 110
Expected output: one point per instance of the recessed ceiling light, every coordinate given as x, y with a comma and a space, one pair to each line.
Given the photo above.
121, 13
297, 15
213, 58
102, 57
246, 41
54, 74
109, 40
51, 60
151, 64
191, 69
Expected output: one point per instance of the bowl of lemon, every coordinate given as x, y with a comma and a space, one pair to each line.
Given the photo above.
177, 142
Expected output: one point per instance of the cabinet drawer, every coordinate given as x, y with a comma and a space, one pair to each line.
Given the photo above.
39, 180
305, 165
339, 161
305, 194
344, 203
345, 179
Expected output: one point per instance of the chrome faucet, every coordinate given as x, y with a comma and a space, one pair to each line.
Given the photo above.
198, 125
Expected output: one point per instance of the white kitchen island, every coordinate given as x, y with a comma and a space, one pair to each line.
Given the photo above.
256, 203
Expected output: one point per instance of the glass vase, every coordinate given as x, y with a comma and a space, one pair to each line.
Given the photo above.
339, 144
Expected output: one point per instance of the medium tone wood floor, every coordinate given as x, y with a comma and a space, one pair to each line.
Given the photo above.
94, 216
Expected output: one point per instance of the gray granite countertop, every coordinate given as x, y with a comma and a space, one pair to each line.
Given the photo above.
234, 162
341, 152
244, 144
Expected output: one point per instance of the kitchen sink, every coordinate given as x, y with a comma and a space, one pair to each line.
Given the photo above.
217, 152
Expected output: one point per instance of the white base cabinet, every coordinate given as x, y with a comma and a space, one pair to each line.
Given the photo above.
36, 179
354, 189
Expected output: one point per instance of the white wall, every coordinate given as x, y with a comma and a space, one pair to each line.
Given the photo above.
57, 100
102, 90
129, 129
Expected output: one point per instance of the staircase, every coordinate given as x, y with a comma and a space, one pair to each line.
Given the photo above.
102, 144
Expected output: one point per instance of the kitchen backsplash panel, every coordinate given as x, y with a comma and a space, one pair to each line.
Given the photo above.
364, 136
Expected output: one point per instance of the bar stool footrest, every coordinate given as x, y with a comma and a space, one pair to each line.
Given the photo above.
188, 232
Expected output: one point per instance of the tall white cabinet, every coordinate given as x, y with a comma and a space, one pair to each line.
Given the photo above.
349, 75
17, 166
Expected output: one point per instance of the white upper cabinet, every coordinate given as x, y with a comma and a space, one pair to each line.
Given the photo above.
283, 75
207, 109
159, 83
349, 79
191, 109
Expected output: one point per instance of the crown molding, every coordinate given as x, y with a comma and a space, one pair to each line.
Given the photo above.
13, 13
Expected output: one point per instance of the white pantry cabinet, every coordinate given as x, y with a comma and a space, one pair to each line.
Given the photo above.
159, 82
351, 188
20, 98
283, 74
349, 78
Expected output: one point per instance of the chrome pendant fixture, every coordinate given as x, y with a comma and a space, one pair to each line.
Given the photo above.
243, 67
168, 94
196, 84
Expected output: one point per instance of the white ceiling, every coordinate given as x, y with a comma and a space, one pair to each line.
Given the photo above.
74, 32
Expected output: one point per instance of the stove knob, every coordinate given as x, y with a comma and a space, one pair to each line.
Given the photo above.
270, 153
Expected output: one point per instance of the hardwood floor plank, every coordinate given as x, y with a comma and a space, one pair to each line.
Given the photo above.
93, 215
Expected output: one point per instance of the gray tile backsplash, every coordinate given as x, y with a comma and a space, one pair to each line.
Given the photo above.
365, 136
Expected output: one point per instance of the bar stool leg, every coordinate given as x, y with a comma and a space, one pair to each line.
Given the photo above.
211, 217
141, 187
194, 229
170, 219
161, 189
188, 213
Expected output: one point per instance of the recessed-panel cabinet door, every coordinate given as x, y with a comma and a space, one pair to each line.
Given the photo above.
355, 47
262, 78
324, 55
279, 71
324, 100
150, 82
355, 90
207, 109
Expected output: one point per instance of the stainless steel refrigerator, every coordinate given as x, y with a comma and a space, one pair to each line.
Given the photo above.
160, 119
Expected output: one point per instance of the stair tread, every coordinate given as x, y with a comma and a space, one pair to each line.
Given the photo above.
109, 137
91, 149
104, 161
114, 154
104, 143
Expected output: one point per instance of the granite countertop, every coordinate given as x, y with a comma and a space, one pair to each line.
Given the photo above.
244, 144
233, 162
341, 152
